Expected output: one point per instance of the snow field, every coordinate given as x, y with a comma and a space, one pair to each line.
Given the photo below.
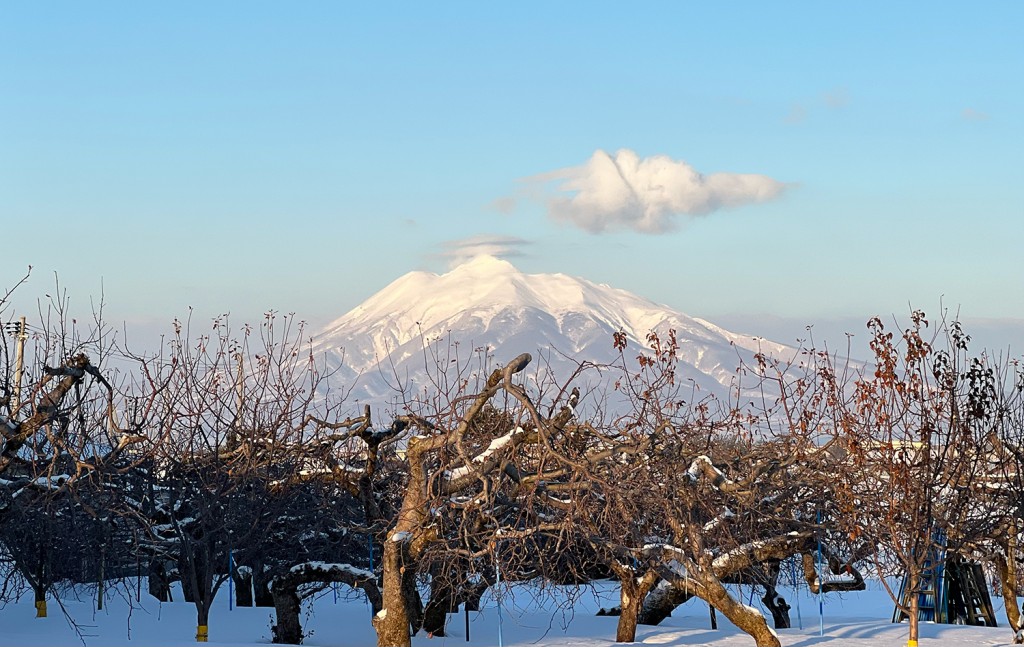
529, 617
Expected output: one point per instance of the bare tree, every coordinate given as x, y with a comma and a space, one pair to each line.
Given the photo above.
916, 454
61, 440
227, 412
744, 502
442, 467
996, 388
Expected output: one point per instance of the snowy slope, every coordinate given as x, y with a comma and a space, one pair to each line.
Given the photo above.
489, 308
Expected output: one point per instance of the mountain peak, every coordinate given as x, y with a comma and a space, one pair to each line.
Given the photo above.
486, 303
486, 264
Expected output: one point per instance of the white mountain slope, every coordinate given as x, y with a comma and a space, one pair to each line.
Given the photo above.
487, 307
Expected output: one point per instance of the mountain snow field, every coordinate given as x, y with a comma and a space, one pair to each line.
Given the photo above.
486, 312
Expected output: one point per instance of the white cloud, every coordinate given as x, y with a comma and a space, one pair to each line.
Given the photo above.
647, 195
457, 252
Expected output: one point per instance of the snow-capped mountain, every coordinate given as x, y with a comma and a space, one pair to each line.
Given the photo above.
486, 312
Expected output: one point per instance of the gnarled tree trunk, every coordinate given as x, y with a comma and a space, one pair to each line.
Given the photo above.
159, 581
661, 602
393, 621
746, 618
243, 586
633, 591
261, 586
442, 602
288, 605
409, 538
1007, 567
778, 606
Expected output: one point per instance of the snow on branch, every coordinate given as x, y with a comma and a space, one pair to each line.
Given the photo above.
481, 460
324, 572
719, 520
745, 555
703, 464
327, 568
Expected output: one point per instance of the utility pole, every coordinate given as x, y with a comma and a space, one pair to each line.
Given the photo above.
19, 365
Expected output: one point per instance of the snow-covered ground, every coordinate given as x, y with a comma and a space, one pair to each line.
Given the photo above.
850, 620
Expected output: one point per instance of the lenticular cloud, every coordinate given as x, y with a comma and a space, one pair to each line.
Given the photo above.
647, 195
460, 251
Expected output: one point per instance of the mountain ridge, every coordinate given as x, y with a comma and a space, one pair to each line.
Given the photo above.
488, 304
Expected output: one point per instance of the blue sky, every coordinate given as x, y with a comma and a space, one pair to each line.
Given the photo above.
299, 156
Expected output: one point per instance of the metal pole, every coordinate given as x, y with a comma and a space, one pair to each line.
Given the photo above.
19, 364
369, 540
821, 587
465, 612
796, 592
497, 569
138, 569
231, 580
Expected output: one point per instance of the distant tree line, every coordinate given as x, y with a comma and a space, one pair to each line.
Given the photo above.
233, 459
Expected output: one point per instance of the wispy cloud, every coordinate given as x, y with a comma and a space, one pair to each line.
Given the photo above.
797, 114
457, 252
648, 195
505, 204
837, 98
970, 114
